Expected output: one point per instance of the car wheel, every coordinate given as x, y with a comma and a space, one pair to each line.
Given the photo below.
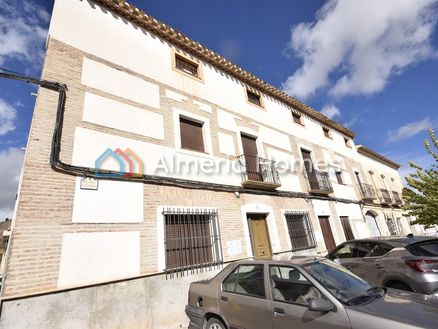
215, 323
399, 286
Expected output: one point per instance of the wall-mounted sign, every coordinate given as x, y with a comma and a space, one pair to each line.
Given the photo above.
89, 183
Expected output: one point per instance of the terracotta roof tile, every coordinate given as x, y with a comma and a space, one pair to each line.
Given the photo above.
139, 17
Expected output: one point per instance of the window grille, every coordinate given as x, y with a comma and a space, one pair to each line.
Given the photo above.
186, 66
254, 98
192, 241
300, 230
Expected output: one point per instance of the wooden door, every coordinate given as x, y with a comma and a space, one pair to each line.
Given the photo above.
259, 235
249, 145
347, 228
327, 233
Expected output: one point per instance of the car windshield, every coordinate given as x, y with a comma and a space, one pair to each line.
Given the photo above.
344, 285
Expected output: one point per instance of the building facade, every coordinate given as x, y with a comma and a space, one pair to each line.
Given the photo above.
172, 161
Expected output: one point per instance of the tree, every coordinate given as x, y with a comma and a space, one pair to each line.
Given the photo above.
421, 195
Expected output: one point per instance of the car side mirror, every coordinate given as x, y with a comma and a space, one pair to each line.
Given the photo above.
320, 305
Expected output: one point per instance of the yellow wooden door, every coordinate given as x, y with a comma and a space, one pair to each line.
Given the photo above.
259, 236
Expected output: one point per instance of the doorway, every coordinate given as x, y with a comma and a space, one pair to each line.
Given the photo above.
250, 153
347, 228
259, 235
327, 233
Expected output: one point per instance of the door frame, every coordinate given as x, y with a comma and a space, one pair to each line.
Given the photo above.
248, 214
259, 208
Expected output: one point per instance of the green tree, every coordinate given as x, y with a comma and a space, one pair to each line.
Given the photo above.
421, 195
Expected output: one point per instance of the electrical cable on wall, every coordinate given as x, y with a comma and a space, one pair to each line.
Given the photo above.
97, 173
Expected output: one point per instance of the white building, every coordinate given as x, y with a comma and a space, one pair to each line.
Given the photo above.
208, 164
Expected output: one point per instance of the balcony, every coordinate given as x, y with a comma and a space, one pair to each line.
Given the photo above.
385, 197
396, 199
258, 172
368, 192
319, 182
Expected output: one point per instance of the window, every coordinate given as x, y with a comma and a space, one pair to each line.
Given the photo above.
347, 250
186, 66
339, 177
326, 132
347, 142
297, 118
379, 249
254, 98
290, 286
246, 280
300, 230
191, 135
192, 239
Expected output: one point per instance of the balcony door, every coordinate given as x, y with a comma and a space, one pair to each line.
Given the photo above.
250, 153
324, 222
310, 170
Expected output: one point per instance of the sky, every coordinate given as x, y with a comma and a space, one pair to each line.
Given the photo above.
370, 65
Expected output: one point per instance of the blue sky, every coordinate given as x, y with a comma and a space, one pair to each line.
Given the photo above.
370, 65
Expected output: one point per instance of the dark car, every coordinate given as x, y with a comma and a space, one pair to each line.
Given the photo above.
407, 263
302, 293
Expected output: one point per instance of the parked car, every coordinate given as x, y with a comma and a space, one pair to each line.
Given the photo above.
302, 293
406, 263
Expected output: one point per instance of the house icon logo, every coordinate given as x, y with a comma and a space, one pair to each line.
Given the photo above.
128, 162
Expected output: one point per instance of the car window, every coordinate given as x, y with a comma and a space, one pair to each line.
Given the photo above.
345, 251
379, 249
427, 248
290, 286
246, 280
364, 248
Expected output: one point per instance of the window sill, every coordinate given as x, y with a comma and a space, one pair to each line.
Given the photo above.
201, 154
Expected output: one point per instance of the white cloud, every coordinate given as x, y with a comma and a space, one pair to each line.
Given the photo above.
330, 111
409, 130
11, 161
23, 31
360, 45
7, 117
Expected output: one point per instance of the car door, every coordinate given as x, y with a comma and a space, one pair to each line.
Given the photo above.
291, 293
373, 261
242, 298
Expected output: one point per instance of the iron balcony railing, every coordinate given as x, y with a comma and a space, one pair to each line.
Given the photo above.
259, 170
385, 197
368, 191
319, 181
396, 198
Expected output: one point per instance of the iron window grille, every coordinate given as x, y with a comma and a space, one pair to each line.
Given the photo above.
300, 230
254, 98
296, 117
192, 241
391, 225
186, 66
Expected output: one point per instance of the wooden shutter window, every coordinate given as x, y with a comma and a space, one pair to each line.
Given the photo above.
339, 177
191, 135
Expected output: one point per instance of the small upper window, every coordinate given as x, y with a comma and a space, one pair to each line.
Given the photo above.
326, 132
347, 142
191, 135
186, 66
254, 97
297, 118
339, 177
